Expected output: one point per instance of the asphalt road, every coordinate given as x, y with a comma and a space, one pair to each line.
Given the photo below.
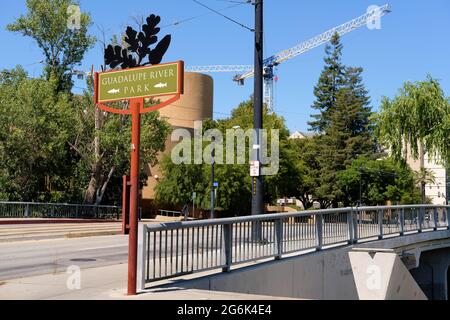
23, 259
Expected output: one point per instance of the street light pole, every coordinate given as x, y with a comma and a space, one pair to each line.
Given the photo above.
257, 187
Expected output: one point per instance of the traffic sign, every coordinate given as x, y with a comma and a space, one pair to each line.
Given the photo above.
215, 184
153, 81
254, 169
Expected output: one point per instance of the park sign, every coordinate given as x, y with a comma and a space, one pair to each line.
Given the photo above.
142, 82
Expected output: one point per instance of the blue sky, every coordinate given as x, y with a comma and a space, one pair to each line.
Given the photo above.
412, 43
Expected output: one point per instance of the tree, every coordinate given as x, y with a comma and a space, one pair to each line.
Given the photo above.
375, 182
344, 126
234, 192
422, 177
416, 121
102, 143
47, 23
329, 84
35, 125
298, 171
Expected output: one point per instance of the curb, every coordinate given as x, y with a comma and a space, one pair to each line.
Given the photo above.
73, 235
69, 235
62, 221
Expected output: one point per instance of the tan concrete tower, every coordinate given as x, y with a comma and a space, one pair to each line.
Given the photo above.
195, 105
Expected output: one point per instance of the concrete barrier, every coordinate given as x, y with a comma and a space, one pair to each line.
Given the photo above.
381, 275
322, 275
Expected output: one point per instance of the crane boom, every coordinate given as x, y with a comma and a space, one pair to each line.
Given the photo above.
319, 40
219, 68
270, 63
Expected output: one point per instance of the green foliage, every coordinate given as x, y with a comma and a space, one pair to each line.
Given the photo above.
46, 23
35, 125
102, 144
330, 82
48, 143
297, 176
419, 114
234, 192
343, 125
377, 182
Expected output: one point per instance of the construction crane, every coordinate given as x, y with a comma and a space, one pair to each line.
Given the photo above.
271, 63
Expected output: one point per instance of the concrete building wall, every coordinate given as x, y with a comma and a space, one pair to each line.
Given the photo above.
195, 104
437, 191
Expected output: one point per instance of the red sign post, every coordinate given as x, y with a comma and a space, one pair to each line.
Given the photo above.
134, 85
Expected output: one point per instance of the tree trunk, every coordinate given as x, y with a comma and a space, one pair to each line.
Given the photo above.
90, 196
91, 192
101, 191
94, 184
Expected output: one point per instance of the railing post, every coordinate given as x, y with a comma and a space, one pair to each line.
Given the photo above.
77, 212
351, 236
228, 243
142, 257
420, 216
380, 224
27, 210
355, 225
435, 218
279, 234
319, 228
402, 221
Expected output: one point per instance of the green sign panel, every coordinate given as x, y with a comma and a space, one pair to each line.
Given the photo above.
153, 81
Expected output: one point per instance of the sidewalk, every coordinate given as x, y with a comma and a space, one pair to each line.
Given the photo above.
26, 232
105, 283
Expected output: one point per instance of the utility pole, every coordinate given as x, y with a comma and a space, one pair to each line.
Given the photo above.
257, 187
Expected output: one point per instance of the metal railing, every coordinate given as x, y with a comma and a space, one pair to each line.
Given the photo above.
172, 249
21, 210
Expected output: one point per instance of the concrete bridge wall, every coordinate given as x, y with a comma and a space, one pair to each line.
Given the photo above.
318, 275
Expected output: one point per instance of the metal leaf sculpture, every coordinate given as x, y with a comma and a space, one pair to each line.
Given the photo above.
139, 47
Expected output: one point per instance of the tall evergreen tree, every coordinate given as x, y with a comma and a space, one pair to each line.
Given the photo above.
344, 123
330, 82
